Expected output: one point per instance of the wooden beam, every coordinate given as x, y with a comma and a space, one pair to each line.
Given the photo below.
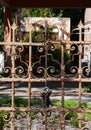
51, 3
6, 3
44, 3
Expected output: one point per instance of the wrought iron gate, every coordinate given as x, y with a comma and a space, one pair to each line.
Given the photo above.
53, 64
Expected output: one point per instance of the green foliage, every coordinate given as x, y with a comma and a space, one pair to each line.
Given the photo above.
22, 102
2, 122
56, 12
33, 115
18, 102
71, 104
74, 120
87, 89
56, 103
86, 116
3, 74
5, 101
37, 36
42, 12
72, 116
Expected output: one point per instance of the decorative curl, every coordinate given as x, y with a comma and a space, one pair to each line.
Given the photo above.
53, 72
7, 117
85, 71
6, 72
20, 48
20, 115
6, 126
51, 69
52, 48
40, 49
74, 69
20, 71
40, 70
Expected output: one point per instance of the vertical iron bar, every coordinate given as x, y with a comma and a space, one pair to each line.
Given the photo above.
62, 88
13, 73
29, 82
46, 53
80, 88
80, 73
46, 38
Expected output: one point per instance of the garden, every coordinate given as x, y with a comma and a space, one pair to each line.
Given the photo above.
22, 102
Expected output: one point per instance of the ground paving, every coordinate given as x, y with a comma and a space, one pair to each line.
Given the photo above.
21, 89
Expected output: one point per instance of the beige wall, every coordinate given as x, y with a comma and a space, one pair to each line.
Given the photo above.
61, 23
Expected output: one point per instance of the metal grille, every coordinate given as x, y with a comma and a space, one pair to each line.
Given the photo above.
28, 68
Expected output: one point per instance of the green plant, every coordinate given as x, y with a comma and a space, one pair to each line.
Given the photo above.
56, 103
70, 104
3, 122
87, 89
4, 74
38, 36
74, 120
23, 102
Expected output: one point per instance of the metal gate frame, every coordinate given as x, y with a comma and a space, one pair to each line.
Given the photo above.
10, 50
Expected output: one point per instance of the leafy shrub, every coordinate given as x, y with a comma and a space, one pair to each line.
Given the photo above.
87, 89
23, 102
2, 122
70, 104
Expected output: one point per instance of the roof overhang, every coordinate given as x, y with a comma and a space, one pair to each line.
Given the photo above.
45, 3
